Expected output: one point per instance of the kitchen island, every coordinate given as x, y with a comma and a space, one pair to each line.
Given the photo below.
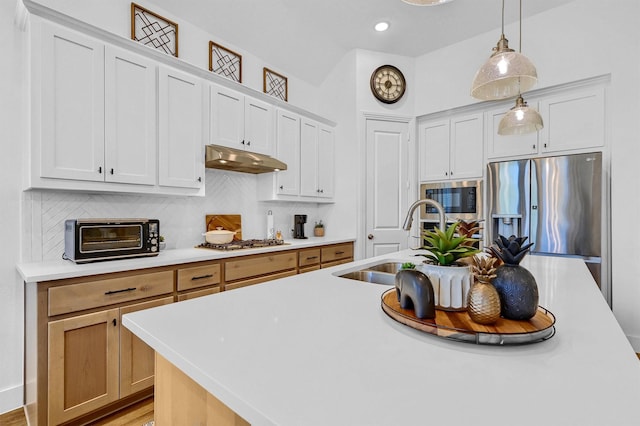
316, 349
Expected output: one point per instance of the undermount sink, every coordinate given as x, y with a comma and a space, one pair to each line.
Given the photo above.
382, 273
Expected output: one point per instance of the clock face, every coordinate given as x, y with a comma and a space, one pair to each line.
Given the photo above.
388, 84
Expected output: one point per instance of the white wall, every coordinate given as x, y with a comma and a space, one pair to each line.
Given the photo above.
582, 39
13, 137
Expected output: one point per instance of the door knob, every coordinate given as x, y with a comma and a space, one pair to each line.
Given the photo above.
370, 236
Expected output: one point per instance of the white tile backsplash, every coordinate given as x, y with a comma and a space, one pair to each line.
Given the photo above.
182, 219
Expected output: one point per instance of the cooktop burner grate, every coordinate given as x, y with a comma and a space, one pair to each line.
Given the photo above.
242, 244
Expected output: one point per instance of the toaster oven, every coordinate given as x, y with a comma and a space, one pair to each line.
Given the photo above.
90, 240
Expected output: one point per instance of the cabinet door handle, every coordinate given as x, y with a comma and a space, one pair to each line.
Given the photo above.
446, 174
111, 171
312, 257
120, 291
199, 178
114, 322
248, 143
281, 186
242, 142
100, 169
201, 277
545, 145
533, 146
339, 252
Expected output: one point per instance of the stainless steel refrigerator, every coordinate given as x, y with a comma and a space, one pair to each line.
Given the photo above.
556, 201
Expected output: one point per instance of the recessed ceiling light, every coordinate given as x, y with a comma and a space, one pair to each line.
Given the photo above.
381, 26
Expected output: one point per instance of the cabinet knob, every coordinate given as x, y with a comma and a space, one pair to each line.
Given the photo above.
450, 173
248, 143
114, 322
199, 178
242, 142
545, 145
533, 146
370, 236
322, 191
111, 171
281, 186
446, 174
100, 169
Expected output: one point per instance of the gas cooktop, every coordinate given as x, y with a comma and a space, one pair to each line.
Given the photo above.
242, 244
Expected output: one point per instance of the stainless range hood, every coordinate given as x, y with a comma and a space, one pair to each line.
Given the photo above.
236, 160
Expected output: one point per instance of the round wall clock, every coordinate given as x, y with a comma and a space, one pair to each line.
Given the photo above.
388, 84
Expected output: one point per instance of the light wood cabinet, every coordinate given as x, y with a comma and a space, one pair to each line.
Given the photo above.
83, 364
451, 149
86, 364
239, 121
136, 357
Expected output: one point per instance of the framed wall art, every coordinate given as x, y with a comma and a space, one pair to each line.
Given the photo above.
274, 84
153, 30
225, 62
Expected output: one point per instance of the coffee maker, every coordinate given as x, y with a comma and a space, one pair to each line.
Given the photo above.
298, 225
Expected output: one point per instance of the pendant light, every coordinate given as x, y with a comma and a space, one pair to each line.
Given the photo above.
506, 74
520, 119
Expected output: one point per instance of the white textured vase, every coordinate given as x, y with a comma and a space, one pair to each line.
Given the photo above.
451, 285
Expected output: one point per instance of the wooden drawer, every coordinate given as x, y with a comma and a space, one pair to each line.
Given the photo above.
198, 293
258, 280
97, 293
336, 262
308, 257
336, 252
259, 265
308, 269
198, 276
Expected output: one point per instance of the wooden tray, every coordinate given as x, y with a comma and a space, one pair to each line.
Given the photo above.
459, 326
230, 222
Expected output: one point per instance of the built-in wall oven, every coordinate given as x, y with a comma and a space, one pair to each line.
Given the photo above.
462, 200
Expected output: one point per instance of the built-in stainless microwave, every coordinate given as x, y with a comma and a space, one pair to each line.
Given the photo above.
461, 200
90, 240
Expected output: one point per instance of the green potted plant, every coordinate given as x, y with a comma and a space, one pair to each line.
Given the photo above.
450, 277
318, 229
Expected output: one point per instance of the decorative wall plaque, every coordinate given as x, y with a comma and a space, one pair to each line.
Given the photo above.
225, 62
153, 30
274, 84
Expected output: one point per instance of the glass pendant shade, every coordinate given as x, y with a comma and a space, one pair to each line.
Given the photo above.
520, 120
426, 2
506, 74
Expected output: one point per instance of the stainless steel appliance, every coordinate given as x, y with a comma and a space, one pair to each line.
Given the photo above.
90, 240
556, 201
460, 200
298, 225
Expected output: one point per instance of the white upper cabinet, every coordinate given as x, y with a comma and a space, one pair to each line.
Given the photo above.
316, 159
240, 121
499, 146
287, 182
130, 117
326, 162
573, 120
68, 78
451, 149
181, 144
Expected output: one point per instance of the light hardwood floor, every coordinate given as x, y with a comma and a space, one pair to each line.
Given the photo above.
136, 415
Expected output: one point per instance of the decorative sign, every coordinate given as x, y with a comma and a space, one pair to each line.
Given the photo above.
274, 84
153, 30
225, 62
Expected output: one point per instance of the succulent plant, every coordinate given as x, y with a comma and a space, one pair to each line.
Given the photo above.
510, 250
484, 268
408, 265
445, 248
468, 228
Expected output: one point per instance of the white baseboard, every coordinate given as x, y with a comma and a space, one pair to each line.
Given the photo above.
11, 398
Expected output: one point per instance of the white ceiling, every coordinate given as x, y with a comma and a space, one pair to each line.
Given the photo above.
306, 38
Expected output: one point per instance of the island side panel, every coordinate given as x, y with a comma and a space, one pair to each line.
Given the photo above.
180, 400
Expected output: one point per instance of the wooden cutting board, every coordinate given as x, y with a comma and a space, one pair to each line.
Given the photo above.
230, 222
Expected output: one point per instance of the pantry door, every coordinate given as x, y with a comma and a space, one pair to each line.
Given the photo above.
387, 186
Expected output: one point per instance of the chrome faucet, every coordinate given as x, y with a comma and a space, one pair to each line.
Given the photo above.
409, 219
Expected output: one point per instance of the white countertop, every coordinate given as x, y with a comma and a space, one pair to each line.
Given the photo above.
61, 269
316, 349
